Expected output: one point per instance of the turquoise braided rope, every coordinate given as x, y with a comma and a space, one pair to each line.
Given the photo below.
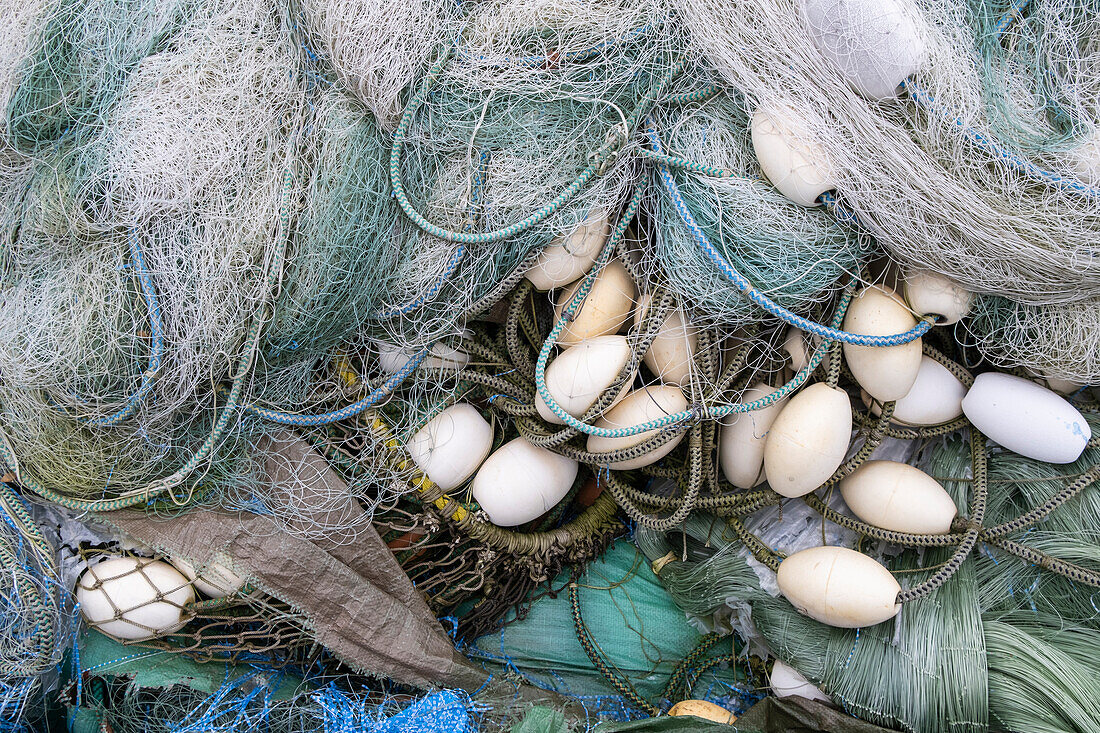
925, 100
156, 329
699, 95
762, 300
456, 259
716, 412
606, 154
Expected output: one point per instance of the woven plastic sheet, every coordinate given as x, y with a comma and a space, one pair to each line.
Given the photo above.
358, 601
630, 617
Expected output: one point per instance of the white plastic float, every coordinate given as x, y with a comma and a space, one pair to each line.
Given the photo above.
567, 258
874, 44
520, 482
1026, 418
839, 587
148, 600
886, 372
672, 352
935, 397
393, 358
898, 497
795, 163
604, 311
638, 407
743, 437
929, 293
451, 446
808, 440
577, 377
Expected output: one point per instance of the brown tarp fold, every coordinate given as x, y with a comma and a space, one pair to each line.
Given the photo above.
361, 604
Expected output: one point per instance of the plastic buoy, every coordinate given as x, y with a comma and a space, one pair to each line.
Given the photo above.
567, 258
134, 598
808, 440
898, 497
839, 587
581, 373
638, 407
451, 446
1026, 418
795, 163
886, 372
520, 482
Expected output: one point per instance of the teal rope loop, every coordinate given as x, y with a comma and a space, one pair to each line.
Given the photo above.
602, 160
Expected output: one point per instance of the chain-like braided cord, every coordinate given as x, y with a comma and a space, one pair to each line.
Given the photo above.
979, 493
584, 636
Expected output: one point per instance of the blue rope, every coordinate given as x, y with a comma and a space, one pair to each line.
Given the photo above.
156, 327
762, 300
290, 418
925, 100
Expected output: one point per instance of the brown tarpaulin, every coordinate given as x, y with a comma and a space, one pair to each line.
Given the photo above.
362, 605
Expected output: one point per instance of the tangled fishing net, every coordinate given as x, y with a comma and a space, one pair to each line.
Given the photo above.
416, 366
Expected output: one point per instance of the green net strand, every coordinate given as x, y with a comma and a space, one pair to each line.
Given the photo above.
795, 255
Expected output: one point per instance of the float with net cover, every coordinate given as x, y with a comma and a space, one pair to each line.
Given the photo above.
533, 366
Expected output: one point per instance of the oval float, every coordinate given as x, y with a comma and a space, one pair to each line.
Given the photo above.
744, 435
451, 446
148, 595
520, 482
604, 311
935, 397
874, 43
886, 372
929, 293
672, 353
808, 440
640, 406
898, 497
567, 258
839, 587
1026, 418
393, 358
795, 163
703, 709
581, 373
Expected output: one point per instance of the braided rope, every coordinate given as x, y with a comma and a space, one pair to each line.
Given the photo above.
605, 156
754, 295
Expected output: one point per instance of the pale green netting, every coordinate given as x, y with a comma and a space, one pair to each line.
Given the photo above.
797, 256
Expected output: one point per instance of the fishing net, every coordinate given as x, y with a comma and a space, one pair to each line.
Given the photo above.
1060, 341
938, 199
794, 255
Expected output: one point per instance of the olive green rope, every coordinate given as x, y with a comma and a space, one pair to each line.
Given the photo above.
979, 494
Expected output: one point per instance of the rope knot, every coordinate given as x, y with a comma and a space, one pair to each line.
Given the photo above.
659, 564
612, 148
